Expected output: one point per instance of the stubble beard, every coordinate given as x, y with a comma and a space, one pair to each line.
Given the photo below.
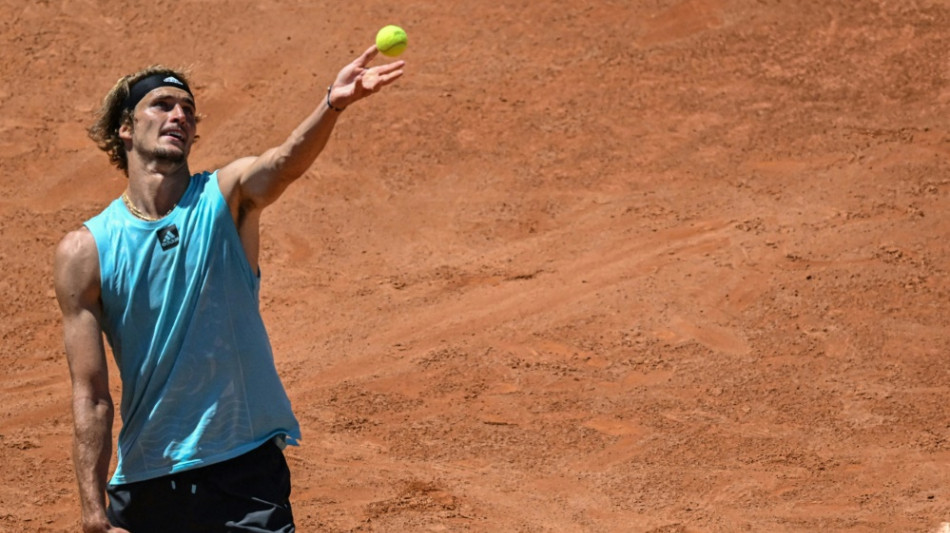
170, 156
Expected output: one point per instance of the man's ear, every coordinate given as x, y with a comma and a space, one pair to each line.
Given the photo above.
125, 130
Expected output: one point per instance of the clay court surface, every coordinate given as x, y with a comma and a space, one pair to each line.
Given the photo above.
668, 266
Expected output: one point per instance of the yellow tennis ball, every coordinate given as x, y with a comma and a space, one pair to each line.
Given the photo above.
391, 40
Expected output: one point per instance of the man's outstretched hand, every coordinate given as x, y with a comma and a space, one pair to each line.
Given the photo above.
358, 80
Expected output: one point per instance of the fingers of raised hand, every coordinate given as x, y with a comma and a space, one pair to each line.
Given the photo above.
370, 81
366, 57
378, 77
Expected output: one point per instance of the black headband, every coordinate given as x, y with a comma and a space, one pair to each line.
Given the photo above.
149, 83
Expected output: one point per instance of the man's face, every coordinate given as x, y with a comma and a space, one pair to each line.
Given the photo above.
163, 125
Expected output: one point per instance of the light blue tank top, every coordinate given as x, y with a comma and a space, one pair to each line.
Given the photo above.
181, 313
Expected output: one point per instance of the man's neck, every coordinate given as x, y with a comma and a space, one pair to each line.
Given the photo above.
156, 188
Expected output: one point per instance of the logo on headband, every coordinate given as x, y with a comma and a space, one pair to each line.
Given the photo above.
172, 79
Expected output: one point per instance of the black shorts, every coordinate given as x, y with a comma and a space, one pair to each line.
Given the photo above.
247, 493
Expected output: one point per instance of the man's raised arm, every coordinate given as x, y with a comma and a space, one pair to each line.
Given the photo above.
252, 183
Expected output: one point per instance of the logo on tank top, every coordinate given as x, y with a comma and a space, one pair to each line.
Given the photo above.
168, 237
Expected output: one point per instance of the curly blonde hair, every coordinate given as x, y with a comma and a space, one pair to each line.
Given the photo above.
112, 115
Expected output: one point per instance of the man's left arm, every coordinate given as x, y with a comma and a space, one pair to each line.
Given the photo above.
252, 183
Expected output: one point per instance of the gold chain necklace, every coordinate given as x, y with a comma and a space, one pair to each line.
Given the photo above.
139, 214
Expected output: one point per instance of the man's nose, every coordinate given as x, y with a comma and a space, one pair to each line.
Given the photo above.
178, 113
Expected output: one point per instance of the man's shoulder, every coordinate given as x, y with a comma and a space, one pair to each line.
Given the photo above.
230, 175
77, 248
76, 241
